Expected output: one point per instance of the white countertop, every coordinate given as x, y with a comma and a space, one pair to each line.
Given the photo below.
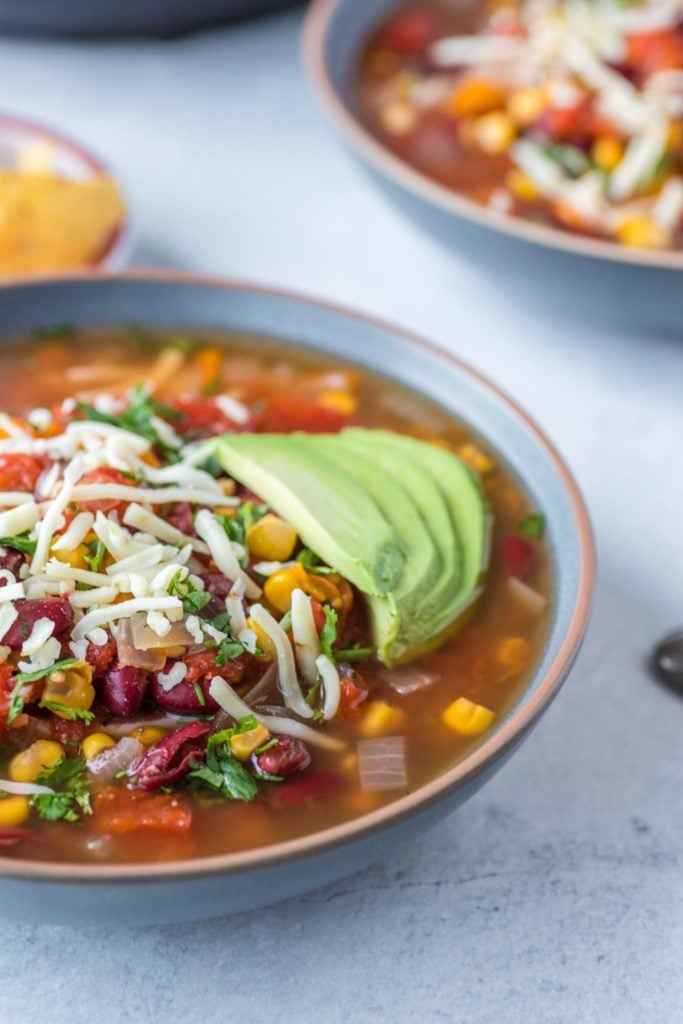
555, 896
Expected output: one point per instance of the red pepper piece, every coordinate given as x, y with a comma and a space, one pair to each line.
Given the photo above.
517, 556
168, 760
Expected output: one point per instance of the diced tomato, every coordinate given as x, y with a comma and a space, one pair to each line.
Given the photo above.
202, 666
105, 475
352, 696
284, 413
121, 810
517, 556
65, 731
309, 786
202, 417
318, 614
100, 657
656, 51
20, 472
571, 124
410, 32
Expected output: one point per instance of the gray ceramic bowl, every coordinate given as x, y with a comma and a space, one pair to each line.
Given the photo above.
543, 265
186, 890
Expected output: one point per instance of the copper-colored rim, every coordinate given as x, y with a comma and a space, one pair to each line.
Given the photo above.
90, 160
490, 750
314, 40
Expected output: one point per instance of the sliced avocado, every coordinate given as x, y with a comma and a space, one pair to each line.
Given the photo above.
466, 504
334, 515
395, 628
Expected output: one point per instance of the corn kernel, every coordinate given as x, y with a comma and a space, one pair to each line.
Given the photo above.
264, 641
494, 132
475, 96
642, 233
227, 485
675, 135
475, 458
14, 810
245, 743
27, 765
279, 587
148, 734
95, 743
340, 401
380, 718
71, 689
607, 153
522, 186
514, 652
272, 538
398, 117
526, 105
466, 717
76, 558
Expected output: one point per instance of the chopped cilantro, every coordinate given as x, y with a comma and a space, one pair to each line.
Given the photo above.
353, 653
40, 673
74, 714
228, 650
71, 791
245, 724
286, 621
533, 526
137, 418
328, 634
212, 387
96, 557
193, 600
21, 542
200, 694
572, 159
311, 562
224, 774
237, 527
16, 702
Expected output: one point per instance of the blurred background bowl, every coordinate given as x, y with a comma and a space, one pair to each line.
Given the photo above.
544, 265
124, 17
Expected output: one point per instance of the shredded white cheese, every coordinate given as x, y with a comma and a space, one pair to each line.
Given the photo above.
289, 684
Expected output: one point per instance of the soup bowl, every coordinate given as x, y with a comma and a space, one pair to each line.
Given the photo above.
194, 888
540, 265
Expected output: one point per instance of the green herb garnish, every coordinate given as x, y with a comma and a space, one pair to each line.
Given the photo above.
533, 526
16, 702
21, 542
224, 774
237, 527
353, 653
137, 418
311, 562
74, 714
193, 600
71, 791
96, 556
328, 633
40, 673
150, 343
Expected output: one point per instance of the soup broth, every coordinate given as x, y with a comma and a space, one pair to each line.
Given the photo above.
214, 384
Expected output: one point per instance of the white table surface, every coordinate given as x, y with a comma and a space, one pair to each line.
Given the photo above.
555, 895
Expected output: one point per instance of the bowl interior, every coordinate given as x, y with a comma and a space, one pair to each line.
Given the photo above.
182, 302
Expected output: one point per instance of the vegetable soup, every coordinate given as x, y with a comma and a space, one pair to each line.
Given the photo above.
247, 592
567, 113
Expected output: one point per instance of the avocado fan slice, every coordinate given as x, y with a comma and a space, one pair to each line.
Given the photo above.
406, 616
401, 519
333, 514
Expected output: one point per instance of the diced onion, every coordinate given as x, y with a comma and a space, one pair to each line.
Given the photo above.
107, 765
146, 639
409, 678
530, 599
23, 788
129, 653
331, 688
382, 764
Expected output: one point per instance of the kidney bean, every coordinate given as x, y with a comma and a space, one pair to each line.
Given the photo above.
286, 756
53, 608
168, 760
183, 699
182, 517
122, 689
517, 556
12, 561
